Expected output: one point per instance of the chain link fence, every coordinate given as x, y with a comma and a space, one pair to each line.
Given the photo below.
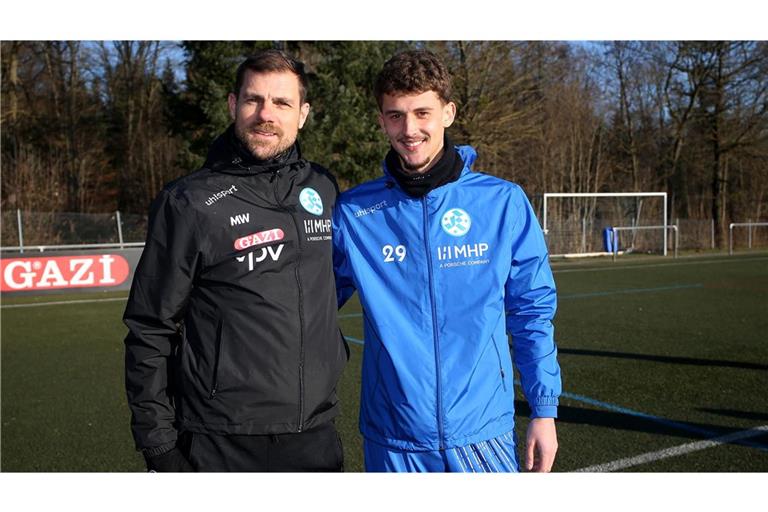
28, 229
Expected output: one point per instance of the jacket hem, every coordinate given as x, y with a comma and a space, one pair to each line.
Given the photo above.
495, 429
253, 428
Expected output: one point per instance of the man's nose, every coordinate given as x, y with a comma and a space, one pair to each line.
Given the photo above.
410, 125
266, 112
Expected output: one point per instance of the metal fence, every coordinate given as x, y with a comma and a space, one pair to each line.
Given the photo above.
21, 230
579, 236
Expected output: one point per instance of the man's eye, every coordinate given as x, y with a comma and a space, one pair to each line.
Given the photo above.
394, 117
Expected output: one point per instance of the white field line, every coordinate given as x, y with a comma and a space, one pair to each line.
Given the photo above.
675, 451
84, 301
652, 265
554, 271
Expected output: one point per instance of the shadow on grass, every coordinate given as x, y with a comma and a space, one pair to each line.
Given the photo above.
757, 416
665, 359
616, 420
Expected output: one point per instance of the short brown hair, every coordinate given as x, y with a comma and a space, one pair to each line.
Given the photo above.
272, 61
413, 72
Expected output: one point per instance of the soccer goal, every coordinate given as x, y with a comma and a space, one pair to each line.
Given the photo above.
580, 224
750, 225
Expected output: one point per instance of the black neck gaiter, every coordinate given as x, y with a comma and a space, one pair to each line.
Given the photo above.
445, 170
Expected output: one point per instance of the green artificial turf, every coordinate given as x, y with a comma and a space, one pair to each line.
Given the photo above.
655, 353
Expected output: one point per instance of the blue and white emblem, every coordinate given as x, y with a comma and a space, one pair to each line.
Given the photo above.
311, 201
456, 222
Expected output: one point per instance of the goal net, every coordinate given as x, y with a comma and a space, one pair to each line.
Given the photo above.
580, 224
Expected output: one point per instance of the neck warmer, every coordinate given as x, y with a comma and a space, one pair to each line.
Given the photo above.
445, 170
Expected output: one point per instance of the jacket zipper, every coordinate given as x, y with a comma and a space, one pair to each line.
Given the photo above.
301, 304
301, 326
216, 360
434, 325
501, 368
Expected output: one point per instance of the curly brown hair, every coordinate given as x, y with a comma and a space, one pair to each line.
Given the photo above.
413, 72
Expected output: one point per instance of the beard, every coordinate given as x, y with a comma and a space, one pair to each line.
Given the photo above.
414, 168
260, 149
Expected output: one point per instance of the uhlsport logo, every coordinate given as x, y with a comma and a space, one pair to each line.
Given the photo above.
219, 195
311, 201
456, 222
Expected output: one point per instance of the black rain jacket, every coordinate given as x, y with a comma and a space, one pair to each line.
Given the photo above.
232, 311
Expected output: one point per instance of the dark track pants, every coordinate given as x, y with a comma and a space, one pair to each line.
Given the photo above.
317, 449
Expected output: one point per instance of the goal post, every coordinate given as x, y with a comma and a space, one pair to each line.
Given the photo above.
615, 231
749, 225
586, 214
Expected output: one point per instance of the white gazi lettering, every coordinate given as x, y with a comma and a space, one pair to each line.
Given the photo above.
270, 235
243, 218
106, 267
64, 272
51, 272
80, 266
26, 276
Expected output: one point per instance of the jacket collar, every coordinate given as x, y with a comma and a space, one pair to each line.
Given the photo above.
228, 154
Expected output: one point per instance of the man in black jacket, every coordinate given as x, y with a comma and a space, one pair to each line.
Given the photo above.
234, 352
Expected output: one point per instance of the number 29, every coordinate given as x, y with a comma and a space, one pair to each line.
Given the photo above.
390, 253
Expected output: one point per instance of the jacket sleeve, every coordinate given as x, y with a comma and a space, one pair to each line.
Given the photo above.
158, 297
530, 302
342, 270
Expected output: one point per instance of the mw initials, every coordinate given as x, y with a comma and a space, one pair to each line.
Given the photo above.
240, 219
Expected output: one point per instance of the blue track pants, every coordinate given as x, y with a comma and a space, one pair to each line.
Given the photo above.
496, 455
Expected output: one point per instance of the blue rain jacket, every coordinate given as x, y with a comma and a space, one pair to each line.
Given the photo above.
442, 279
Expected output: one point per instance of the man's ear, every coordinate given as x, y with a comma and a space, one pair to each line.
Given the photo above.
449, 114
303, 115
381, 122
232, 104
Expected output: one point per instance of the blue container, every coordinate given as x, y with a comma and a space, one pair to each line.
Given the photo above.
608, 239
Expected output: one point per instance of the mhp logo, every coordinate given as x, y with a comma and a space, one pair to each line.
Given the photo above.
456, 222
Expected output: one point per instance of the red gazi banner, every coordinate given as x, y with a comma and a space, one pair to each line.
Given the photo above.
262, 237
26, 274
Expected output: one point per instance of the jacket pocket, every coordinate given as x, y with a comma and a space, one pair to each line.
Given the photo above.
501, 365
216, 359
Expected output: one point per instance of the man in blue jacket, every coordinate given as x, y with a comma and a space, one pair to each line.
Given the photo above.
446, 262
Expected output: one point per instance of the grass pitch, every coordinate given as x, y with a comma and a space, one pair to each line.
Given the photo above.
655, 354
